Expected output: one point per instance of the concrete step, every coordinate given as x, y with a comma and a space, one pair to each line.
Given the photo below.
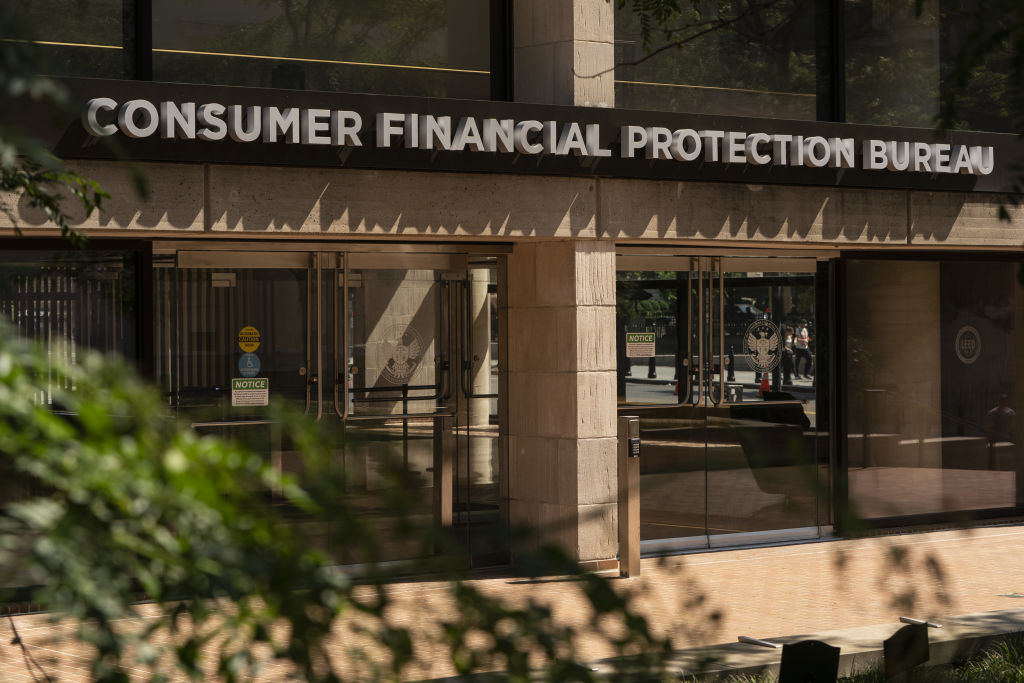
860, 648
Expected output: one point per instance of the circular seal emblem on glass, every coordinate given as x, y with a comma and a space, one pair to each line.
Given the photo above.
404, 350
967, 344
761, 344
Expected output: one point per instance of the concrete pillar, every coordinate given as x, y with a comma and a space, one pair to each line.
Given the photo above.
565, 52
562, 411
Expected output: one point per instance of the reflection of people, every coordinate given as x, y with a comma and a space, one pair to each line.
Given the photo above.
802, 349
999, 422
787, 355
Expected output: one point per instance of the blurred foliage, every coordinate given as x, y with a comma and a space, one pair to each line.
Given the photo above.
112, 501
26, 167
28, 170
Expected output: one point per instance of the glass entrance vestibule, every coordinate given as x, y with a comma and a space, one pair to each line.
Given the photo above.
396, 355
393, 353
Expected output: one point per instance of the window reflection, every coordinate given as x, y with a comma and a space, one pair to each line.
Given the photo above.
932, 406
75, 37
899, 58
431, 48
759, 61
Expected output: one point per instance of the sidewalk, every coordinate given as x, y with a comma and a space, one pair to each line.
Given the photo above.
665, 374
711, 598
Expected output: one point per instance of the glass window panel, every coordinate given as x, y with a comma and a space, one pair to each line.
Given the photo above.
760, 62
745, 452
897, 62
76, 37
933, 395
434, 48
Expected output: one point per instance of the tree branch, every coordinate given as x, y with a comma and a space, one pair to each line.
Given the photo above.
712, 26
30, 661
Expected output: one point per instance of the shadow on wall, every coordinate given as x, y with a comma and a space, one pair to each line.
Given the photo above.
933, 214
175, 199
347, 201
673, 210
251, 199
247, 199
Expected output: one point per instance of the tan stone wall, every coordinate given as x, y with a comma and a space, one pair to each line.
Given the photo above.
562, 431
648, 210
962, 219
261, 201
174, 202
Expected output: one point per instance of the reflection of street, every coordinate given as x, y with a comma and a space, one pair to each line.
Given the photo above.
661, 390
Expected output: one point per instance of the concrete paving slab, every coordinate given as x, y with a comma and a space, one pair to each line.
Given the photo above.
860, 648
849, 593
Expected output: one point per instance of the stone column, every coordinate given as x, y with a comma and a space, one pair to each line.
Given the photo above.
565, 52
562, 426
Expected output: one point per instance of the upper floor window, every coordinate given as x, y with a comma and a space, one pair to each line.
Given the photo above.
742, 58
434, 48
74, 37
899, 57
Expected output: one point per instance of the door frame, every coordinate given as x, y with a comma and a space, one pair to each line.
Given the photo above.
812, 261
452, 263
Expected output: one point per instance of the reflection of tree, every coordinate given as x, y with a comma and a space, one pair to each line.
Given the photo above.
984, 69
635, 298
753, 57
892, 65
758, 58
85, 22
395, 32
399, 32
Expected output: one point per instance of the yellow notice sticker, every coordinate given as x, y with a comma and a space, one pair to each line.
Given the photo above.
248, 339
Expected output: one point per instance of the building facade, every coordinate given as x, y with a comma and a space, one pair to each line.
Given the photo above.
469, 235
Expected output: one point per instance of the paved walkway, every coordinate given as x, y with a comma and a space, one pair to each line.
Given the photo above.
700, 599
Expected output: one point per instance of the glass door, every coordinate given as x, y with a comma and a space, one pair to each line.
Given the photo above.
393, 354
717, 356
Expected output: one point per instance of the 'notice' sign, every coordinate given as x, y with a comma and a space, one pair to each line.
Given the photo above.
639, 344
252, 391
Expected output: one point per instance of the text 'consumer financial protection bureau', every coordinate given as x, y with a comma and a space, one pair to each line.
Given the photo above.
212, 122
